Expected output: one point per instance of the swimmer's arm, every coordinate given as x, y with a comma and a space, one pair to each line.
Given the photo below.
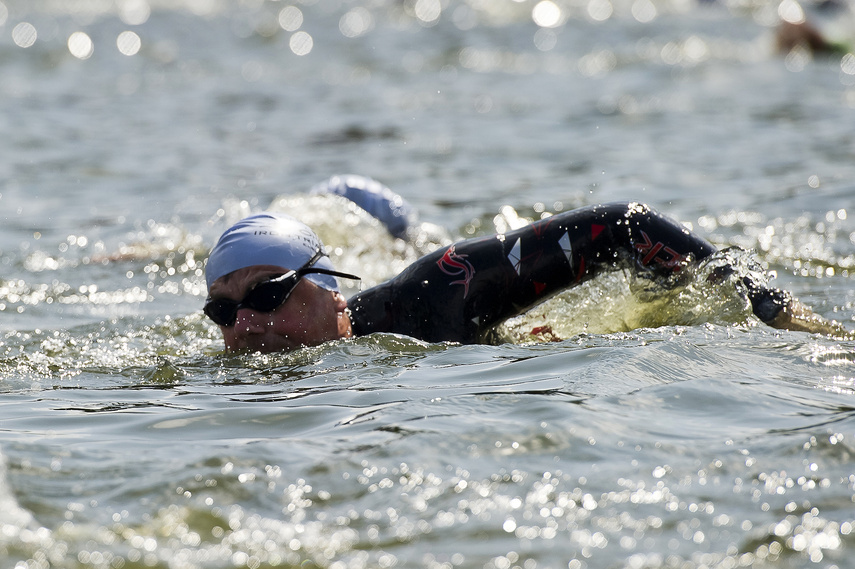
799, 318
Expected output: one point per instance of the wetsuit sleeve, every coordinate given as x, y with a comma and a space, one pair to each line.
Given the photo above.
461, 292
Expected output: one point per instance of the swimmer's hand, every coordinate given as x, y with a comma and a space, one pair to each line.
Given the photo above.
778, 309
797, 317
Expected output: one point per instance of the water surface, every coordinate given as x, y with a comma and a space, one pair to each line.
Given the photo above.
645, 435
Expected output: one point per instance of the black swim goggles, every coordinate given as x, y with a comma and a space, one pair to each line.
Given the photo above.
266, 296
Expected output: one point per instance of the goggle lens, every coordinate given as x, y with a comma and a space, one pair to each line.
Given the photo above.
265, 297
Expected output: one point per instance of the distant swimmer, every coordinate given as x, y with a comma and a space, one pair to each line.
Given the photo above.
271, 286
797, 29
803, 35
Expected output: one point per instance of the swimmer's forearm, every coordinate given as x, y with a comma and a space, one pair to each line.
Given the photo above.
778, 309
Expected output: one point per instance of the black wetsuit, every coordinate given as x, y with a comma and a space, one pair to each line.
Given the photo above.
460, 293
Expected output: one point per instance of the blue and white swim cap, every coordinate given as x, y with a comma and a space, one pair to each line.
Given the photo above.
268, 239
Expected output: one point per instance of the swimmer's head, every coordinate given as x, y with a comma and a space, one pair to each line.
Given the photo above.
268, 239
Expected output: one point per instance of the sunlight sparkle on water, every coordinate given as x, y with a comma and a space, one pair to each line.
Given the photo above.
546, 14
790, 11
356, 22
290, 18
428, 11
644, 11
847, 64
24, 34
301, 43
128, 43
80, 45
134, 12
600, 10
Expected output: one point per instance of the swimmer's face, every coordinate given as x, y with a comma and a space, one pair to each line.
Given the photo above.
311, 315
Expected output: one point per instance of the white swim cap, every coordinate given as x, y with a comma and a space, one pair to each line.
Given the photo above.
268, 239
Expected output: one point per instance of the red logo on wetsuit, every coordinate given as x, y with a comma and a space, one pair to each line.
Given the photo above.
659, 252
456, 265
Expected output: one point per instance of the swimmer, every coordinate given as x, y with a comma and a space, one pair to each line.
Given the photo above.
805, 36
272, 288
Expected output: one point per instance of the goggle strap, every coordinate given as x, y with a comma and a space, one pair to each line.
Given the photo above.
328, 272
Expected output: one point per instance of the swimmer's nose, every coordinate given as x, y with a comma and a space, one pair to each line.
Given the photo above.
249, 321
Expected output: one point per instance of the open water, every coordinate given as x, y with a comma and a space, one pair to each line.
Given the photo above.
648, 434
